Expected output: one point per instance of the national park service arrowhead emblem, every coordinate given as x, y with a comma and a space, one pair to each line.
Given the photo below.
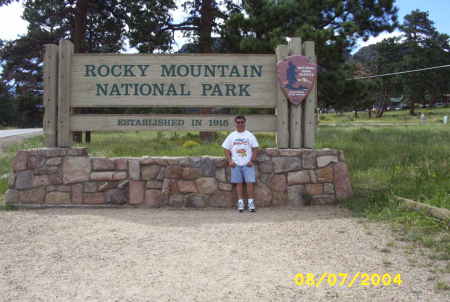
297, 76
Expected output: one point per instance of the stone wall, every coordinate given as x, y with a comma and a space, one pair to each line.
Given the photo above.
61, 176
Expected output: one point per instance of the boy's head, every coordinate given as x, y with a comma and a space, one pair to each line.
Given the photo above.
239, 122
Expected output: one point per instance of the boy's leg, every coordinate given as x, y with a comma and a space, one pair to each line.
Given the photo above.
250, 178
236, 178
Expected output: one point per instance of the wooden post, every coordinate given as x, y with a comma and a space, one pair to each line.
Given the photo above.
65, 65
295, 48
309, 126
50, 94
282, 111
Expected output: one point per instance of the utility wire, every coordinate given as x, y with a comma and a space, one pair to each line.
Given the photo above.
400, 72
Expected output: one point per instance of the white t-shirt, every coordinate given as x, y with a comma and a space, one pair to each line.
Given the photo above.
240, 144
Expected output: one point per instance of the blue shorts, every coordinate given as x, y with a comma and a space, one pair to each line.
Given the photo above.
240, 174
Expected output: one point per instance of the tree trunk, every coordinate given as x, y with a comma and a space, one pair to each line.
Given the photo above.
370, 113
79, 30
412, 108
205, 44
356, 114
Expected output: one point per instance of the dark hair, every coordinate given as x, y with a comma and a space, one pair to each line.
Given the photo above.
240, 117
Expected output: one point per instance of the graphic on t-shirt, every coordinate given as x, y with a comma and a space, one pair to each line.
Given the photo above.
241, 152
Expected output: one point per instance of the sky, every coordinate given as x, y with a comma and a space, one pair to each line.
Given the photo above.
12, 25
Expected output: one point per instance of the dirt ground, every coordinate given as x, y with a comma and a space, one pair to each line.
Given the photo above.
202, 255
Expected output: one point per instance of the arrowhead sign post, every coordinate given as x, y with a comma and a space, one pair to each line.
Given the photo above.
297, 75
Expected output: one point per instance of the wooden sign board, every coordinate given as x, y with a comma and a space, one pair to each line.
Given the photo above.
174, 122
173, 80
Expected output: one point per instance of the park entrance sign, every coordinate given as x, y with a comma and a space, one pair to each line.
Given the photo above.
79, 81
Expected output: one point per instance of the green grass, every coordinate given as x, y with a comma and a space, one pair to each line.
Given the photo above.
433, 116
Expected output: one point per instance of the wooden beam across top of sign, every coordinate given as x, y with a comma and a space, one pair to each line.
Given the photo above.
168, 122
173, 80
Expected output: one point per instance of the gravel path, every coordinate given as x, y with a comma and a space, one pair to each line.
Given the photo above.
199, 255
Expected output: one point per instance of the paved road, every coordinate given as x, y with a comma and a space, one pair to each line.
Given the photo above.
14, 132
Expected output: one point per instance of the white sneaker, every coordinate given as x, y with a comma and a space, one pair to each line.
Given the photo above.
240, 205
251, 205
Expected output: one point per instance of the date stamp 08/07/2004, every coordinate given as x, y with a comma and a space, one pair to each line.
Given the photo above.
347, 280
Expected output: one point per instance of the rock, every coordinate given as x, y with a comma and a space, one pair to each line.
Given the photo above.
150, 172
325, 174
176, 200
119, 175
76, 169
323, 200
46, 170
58, 197
24, 180
106, 186
186, 186
36, 195
286, 164
208, 167
220, 162
20, 161
134, 169
61, 188
266, 167
11, 196
206, 185
263, 195
309, 159
191, 173
225, 187
265, 178
323, 161
221, 199
102, 164
136, 192
299, 177
291, 152
116, 196
153, 198
77, 193
154, 184
123, 184
279, 198
36, 161
220, 175
55, 161
296, 195
90, 187
174, 172
343, 186
196, 200
169, 186
161, 174
314, 189
121, 163
55, 179
328, 188
272, 151
94, 198
40, 180
99, 176
278, 183
82, 151
262, 157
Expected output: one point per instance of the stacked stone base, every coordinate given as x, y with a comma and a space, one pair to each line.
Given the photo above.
69, 176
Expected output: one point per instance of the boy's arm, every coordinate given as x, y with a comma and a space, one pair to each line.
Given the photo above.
228, 157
